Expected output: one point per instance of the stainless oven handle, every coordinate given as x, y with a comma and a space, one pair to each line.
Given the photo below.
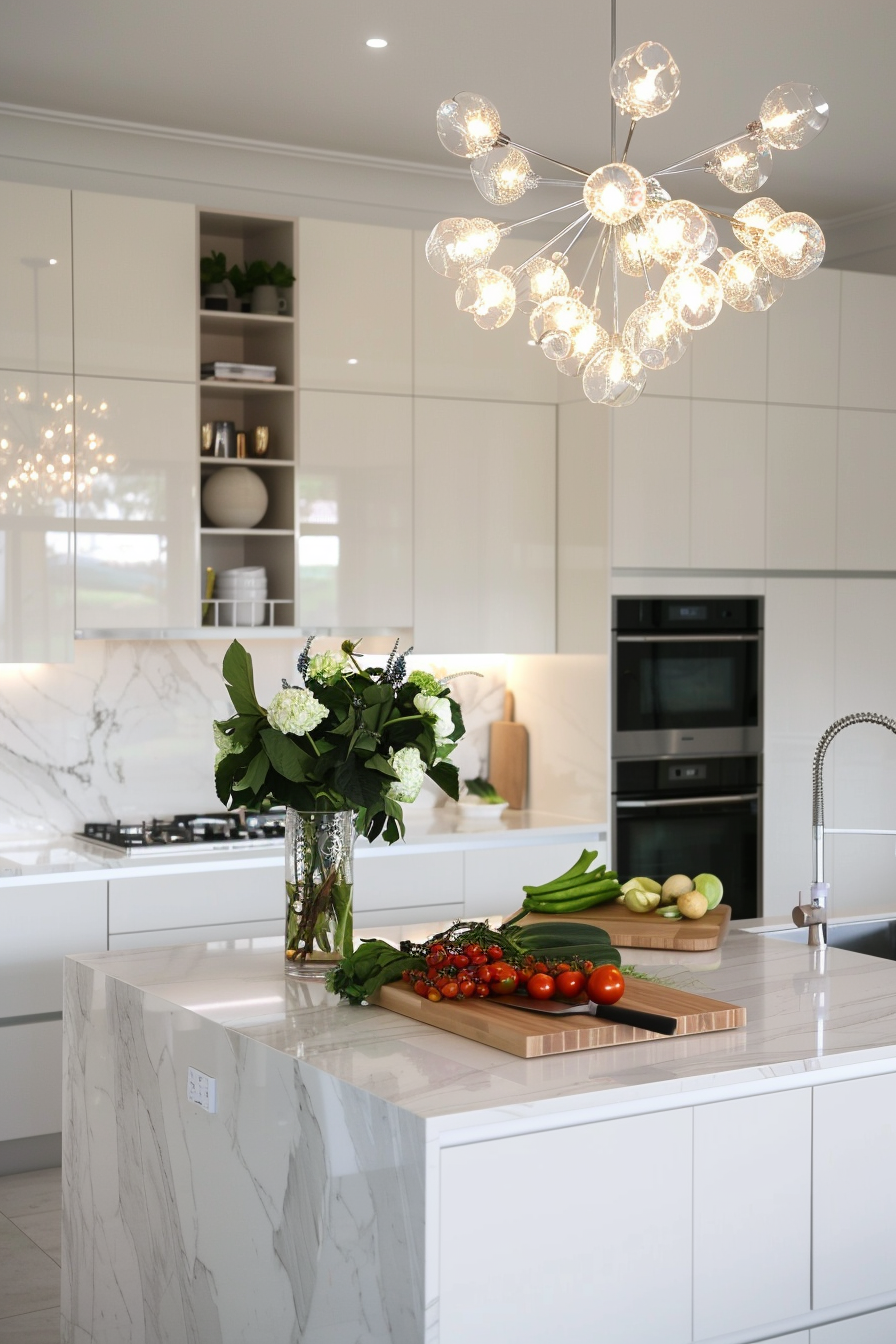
689, 802
687, 639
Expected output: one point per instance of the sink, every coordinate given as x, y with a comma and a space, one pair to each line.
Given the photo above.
873, 937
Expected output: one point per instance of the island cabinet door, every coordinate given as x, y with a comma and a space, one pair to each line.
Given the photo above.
594, 1238
877, 1328
854, 1190
222, 898
752, 1211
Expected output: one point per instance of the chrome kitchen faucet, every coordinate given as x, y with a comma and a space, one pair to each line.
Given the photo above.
814, 916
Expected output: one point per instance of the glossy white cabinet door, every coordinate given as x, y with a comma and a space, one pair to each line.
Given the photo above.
31, 1051
635, 1281
651, 483
180, 900
136, 287
455, 358
878, 1328
583, 527
39, 925
354, 298
355, 511
35, 278
386, 881
727, 485
242, 933
854, 1174
866, 481
137, 539
801, 509
752, 1218
803, 342
731, 362
867, 339
37, 571
484, 527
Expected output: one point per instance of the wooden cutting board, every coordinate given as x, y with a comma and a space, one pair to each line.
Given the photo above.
508, 756
531, 1035
652, 930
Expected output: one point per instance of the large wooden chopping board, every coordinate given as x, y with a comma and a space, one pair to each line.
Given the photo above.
530, 1035
651, 930
508, 756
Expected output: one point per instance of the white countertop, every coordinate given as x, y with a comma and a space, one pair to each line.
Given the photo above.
803, 1018
427, 831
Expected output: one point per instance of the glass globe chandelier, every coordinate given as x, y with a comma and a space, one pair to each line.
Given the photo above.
640, 230
38, 473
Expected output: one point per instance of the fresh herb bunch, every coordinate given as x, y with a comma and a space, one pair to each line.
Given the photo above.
348, 737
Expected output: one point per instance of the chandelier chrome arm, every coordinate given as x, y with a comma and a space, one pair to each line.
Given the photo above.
702, 153
580, 172
518, 270
505, 228
600, 239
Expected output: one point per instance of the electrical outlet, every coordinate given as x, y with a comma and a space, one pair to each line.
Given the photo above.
201, 1090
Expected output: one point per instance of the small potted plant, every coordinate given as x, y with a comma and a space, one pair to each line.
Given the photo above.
241, 287
266, 282
212, 275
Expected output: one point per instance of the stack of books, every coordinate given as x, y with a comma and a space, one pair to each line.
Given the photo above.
223, 372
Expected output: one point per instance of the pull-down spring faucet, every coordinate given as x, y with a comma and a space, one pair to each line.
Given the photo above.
814, 916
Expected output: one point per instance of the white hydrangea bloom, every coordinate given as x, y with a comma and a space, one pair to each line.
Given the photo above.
439, 708
226, 745
327, 667
408, 765
294, 710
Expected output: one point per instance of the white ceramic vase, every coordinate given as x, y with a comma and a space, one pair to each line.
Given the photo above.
234, 497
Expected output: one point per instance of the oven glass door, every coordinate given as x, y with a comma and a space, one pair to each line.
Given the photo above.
656, 839
664, 683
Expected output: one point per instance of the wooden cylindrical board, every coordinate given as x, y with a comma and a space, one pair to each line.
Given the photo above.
508, 759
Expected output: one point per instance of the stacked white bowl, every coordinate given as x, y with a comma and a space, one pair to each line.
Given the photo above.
245, 590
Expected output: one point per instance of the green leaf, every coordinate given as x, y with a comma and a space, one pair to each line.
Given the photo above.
378, 695
394, 830
287, 758
446, 776
255, 776
230, 768
362, 787
345, 728
458, 720
378, 762
240, 680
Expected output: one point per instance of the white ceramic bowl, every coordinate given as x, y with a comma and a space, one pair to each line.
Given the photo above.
241, 590
234, 497
246, 572
472, 809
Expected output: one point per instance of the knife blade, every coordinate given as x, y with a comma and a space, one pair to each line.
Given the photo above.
628, 1017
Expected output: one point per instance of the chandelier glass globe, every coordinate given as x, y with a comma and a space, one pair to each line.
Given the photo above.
654, 334
792, 115
553, 324
546, 279
614, 377
585, 341
709, 244
645, 80
468, 125
632, 242
615, 193
502, 175
455, 245
489, 295
792, 246
678, 232
742, 167
694, 295
747, 285
751, 220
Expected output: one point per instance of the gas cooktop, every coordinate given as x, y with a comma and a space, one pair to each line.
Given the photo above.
222, 828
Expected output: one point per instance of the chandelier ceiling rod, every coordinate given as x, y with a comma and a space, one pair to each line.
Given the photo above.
612, 99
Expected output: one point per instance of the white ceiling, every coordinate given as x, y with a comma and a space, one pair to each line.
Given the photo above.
298, 72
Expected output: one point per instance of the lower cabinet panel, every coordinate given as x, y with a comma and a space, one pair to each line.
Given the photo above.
410, 914
203, 933
407, 881
633, 1285
185, 900
879, 1328
39, 925
31, 1067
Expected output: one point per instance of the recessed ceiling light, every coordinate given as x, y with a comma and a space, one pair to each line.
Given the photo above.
52, 261
377, 42
352, 361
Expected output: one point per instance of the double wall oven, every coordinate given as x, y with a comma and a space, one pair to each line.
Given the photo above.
687, 741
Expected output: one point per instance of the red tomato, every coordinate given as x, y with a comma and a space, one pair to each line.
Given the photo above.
504, 979
421, 988
450, 989
560, 968
466, 988
570, 984
525, 973
541, 986
436, 959
472, 950
484, 975
460, 960
479, 959
541, 967
494, 953
406, 977
605, 985
434, 995
482, 991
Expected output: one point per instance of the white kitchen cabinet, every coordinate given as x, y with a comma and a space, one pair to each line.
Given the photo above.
387, 881
199, 933
167, 900
803, 342
37, 573
730, 360
137, 534
455, 358
136, 287
39, 925
672, 382
752, 1218
727, 485
355, 307
867, 339
801, 508
484, 527
878, 1328
35, 278
489, 1276
583, 527
31, 1051
866, 482
494, 878
854, 1172
355, 509
651, 483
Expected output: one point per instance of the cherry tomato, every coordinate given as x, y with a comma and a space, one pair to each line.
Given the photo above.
472, 950
406, 976
605, 985
540, 967
504, 978
466, 988
443, 980
436, 959
434, 995
587, 967
525, 973
460, 960
570, 984
560, 967
484, 974
494, 953
541, 986
482, 991
479, 959
421, 988
450, 989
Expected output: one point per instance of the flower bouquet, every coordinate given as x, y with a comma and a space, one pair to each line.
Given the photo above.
342, 751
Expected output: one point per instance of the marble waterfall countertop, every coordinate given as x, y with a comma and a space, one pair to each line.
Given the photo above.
427, 831
808, 1013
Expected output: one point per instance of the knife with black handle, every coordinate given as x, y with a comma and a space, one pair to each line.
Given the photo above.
628, 1017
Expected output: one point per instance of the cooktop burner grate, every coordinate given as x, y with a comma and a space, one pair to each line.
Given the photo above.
188, 829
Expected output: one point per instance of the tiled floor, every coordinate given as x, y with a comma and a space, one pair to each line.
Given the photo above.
30, 1252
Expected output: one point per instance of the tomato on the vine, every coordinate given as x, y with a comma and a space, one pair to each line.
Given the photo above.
494, 953
434, 995
541, 986
472, 950
450, 989
421, 988
504, 978
570, 984
605, 985
480, 959
466, 988
540, 967
482, 991
460, 960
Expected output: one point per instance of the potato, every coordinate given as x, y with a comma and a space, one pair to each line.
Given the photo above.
675, 886
693, 905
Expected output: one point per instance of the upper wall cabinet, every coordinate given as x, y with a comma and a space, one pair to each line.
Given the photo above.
484, 527
651, 483
803, 342
135, 287
867, 338
355, 307
35, 278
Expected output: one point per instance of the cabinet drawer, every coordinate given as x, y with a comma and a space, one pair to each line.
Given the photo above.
401, 881
203, 933
184, 900
494, 878
39, 925
31, 1055
411, 914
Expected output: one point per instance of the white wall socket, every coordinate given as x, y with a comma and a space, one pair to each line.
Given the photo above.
201, 1090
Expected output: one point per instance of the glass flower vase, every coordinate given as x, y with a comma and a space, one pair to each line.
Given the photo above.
319, 848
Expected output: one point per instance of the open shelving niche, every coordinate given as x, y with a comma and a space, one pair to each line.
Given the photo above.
254, 339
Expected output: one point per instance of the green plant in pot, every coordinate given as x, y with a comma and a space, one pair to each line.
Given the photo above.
266, 282
212, 275
242, 287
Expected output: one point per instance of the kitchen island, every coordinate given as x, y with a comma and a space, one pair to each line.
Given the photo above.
362, 1179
